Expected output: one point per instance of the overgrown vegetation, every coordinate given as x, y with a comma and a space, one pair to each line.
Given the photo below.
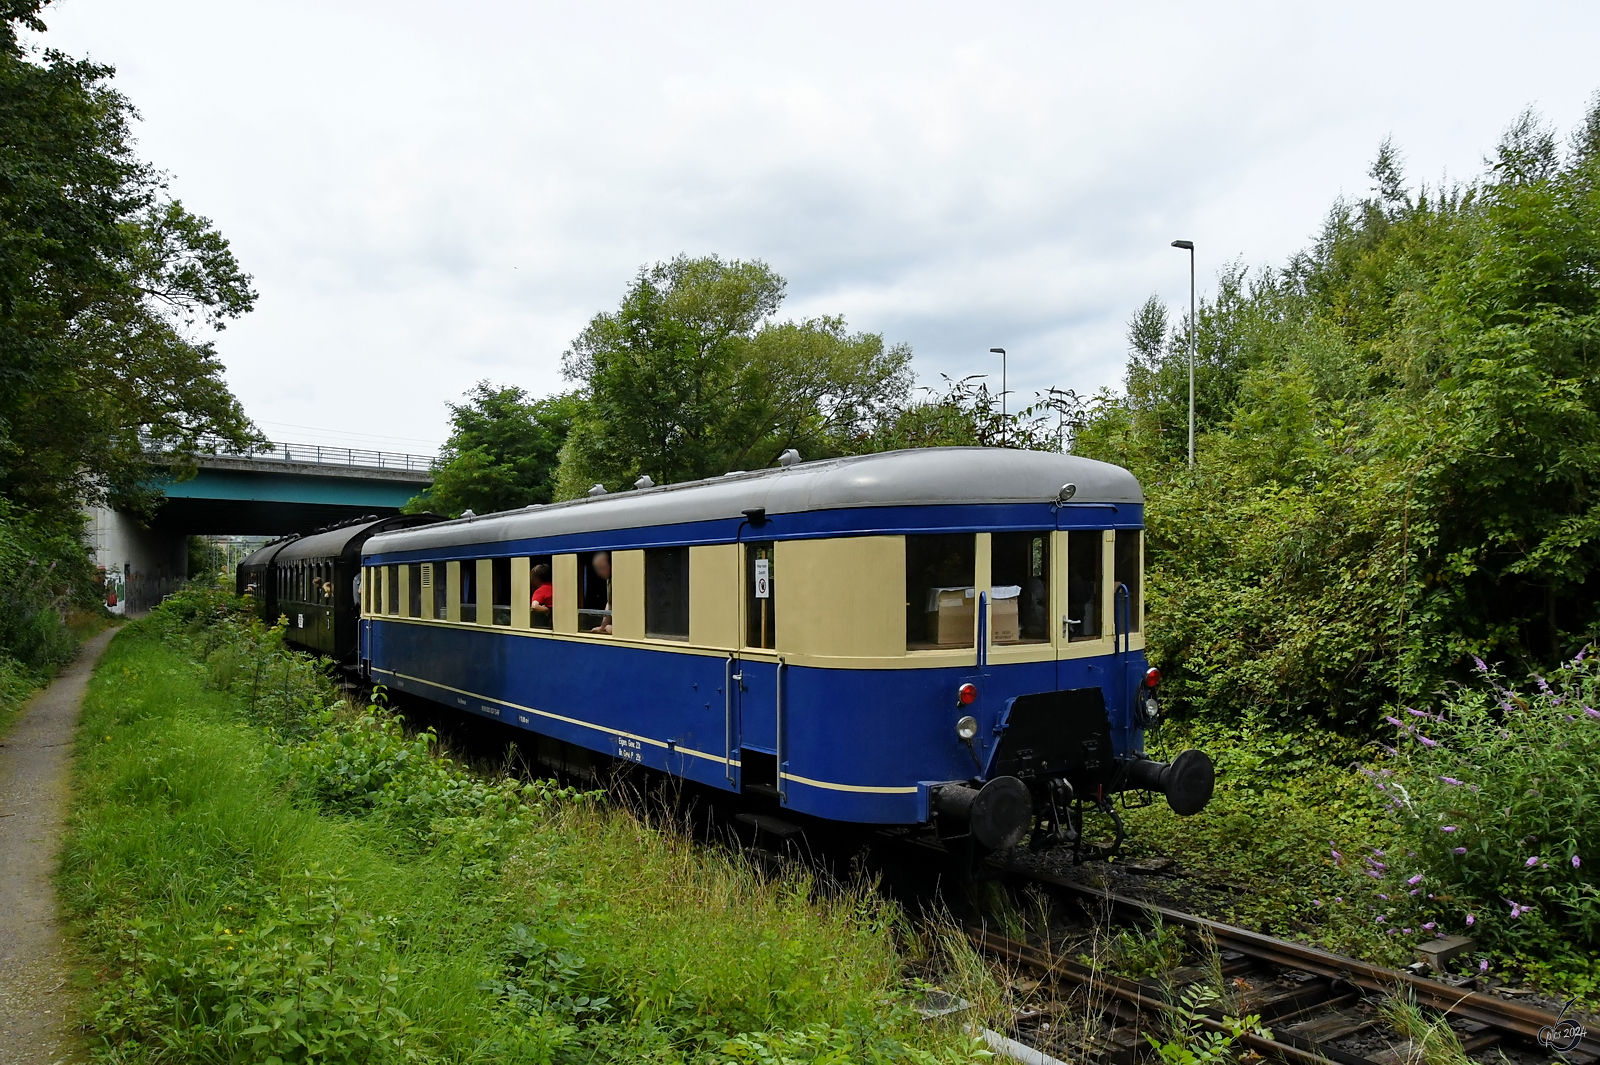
1400, 430
262, 872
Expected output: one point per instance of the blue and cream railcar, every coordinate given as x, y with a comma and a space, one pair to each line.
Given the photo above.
888, 639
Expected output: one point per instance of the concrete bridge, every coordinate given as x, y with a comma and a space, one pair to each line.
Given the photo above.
291, 488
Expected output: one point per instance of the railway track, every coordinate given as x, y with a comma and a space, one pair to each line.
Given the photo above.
1320, 1008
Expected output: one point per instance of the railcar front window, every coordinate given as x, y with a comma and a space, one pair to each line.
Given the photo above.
594, 580
469, 590
666, 593
1127, 572
1085, 575
1019, 587
393, 584
760, 599
500, 570
941, 602
414, 592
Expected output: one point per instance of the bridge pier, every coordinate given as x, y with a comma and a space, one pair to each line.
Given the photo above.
141, 565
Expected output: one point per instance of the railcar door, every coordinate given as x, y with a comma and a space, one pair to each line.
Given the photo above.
757, 674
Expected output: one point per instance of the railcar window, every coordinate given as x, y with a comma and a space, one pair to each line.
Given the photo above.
941, 604
1019, 587
414, 591
391, 584
594, 578
1085, 574
761, 603
469, 589
500, 571
1127, 575
666, 593
542, 592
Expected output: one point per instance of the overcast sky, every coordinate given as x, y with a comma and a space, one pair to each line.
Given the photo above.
430, 194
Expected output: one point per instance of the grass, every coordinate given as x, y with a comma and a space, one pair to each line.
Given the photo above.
296, 880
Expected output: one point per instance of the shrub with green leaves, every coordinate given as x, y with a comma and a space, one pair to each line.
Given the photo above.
1497, 799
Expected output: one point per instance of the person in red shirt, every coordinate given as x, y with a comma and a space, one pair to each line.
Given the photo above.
543, 593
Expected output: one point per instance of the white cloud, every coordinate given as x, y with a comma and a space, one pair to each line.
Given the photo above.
428, 196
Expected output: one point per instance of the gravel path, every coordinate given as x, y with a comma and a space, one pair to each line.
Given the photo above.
35, 1001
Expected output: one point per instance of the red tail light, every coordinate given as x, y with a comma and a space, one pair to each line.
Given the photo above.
966, 695
1152, 677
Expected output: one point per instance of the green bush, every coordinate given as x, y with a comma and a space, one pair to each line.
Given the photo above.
1497, 799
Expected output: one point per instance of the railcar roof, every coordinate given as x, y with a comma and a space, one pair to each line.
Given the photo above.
917, 477
332, 543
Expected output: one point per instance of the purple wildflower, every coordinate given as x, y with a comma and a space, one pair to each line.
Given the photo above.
1448, 828
1452, 781
1592, 712
1374, 874
1517, 909
1395, 721
1459, 850
1338, 859
1483, 966
1575, 862
1531, 862
1385, 898
1483, 667
1542, 685
1471, 920
1380, 918
1414, 881
1425, 741
1338, 898
1316, 902
1406, 931
1430, 926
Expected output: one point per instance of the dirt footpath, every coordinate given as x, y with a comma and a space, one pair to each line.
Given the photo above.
35, 1002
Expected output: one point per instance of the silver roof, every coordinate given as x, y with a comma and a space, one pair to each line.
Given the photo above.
917, 477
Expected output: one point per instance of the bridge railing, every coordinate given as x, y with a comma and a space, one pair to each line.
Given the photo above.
326, 455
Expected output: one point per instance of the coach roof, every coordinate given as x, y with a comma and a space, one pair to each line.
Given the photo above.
917, 477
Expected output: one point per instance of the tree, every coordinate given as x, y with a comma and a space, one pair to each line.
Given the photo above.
1399, 436
106, 284
691, 377
502, 452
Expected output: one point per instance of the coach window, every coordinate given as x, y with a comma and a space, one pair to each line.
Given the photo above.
1126, 571
500, 574
666, 593
541, 591
760, 601
594, 584
1019, 587
469, 590
392, 583
435, 593
1085, 575
414, 591
941, 604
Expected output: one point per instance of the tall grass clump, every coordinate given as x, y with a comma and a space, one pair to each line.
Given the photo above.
261, 871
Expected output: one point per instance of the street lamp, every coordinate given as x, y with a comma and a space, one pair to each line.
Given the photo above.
1188, 245
1003, 425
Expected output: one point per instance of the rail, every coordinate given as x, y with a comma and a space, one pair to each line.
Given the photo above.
1294, 1043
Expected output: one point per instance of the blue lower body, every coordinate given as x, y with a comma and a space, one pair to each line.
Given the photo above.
859, 745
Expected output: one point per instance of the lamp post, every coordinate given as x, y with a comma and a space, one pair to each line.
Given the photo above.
1005, 428
1194, 328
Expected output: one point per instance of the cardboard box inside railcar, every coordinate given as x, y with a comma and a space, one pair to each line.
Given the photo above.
951, 615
